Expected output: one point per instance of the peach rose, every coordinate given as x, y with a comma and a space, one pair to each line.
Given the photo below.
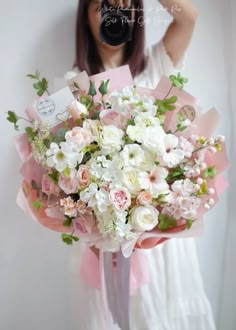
83, 176
80, 136
144, 198
77, 110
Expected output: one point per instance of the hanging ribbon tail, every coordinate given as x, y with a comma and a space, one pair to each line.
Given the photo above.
123, 280
115, 288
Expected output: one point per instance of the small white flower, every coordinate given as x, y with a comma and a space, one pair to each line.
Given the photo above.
154, 182
172, 155
56, 157
95, 197
132, 155
186, 146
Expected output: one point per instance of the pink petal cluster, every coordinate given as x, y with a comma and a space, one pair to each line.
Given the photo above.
120, 198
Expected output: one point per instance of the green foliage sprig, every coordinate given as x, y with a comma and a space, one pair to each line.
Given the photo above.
41, 84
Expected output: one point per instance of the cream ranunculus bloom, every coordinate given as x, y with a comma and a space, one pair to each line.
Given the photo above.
144, 217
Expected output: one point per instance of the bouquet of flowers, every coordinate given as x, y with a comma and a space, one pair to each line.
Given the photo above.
119, 166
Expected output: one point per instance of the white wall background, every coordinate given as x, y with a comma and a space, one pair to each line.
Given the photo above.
34, 277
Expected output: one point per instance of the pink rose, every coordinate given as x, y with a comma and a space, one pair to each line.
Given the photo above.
79, 136
120, 198
69, 184
85, 224
49, 187
83, 176
144, 198
111, 117
77, 109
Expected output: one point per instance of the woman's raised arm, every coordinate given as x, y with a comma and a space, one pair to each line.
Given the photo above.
179, 32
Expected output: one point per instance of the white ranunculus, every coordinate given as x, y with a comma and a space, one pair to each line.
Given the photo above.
111, 139
130, 180
135, 133
144, 217
148, 161
146, 120
132, 155
153, 139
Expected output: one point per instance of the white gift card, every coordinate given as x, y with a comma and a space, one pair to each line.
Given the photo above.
52, 109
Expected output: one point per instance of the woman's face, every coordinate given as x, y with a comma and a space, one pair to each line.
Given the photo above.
94, 19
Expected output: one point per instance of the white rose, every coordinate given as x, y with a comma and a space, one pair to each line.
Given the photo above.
144, 217
111, 138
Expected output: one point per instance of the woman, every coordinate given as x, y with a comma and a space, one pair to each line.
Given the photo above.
174, 298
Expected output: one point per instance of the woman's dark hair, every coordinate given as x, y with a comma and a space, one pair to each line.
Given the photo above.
87, 57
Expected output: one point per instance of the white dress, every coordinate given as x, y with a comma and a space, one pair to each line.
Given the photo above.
174, 298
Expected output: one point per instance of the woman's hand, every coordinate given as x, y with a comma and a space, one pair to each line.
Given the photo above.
120, 3
179, 33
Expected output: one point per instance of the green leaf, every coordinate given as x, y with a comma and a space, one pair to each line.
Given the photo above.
75, 85
189, 223
54, 176
13, 118
210, 172
171, 99
66, 171
60, 134
66, 238
175, 173
170, 107
31, 134
36, 75
178, 80
131, 122
92, 90
165, 222
38, 204
75, 238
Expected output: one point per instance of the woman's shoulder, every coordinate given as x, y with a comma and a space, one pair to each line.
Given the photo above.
158, 63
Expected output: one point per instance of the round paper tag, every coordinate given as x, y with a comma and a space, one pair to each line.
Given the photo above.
188, 112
